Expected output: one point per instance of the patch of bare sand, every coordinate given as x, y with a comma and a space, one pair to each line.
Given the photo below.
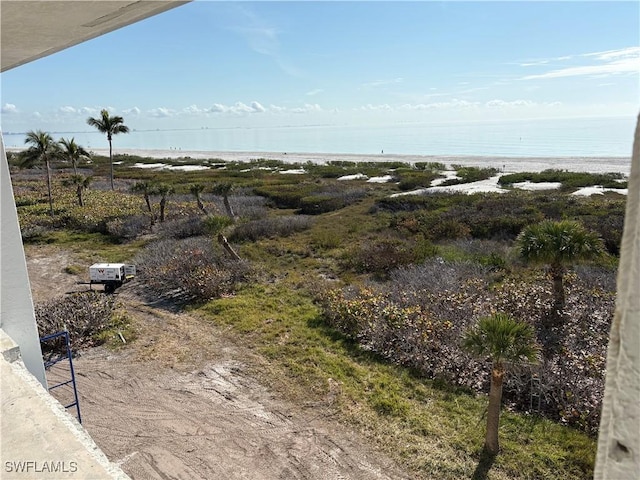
183, 401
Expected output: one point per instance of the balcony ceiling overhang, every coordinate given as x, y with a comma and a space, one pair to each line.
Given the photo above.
35, 29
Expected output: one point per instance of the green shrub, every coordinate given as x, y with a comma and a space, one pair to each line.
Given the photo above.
411, 180
470, 174
320, 203
568, 179
287, 195
214, 224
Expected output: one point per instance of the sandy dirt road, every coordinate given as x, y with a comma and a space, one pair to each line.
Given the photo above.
181, 402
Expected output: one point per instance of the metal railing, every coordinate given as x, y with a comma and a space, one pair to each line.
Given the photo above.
48, 363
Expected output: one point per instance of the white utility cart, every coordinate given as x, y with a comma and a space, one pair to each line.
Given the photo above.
111, 275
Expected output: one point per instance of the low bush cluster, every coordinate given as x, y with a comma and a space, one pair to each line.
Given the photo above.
271, 227
189, 270
311, 199
410, 180
418, 317
443, 216
84, 315
568, 179
383, 256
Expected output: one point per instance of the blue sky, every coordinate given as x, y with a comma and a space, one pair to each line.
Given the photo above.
258, 64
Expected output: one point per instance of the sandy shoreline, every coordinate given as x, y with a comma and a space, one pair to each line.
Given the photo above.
505, 164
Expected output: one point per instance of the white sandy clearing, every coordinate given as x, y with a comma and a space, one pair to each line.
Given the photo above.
164, 166
448, 175
295, 171
537, 186
383, 179
357, 176
490, 185
598, 190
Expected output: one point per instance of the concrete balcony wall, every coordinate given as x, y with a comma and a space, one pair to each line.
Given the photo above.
17, 317
40, 440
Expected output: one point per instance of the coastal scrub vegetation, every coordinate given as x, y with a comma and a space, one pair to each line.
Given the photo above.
351, 291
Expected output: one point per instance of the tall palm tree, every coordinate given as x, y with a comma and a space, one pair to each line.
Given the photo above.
196, 189
164, 190
504, 340
111, 126
73, 152
558, 244
81, 183
43, 148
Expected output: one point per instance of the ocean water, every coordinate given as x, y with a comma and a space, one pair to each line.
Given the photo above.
583, 137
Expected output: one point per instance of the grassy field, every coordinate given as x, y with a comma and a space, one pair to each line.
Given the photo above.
434, 429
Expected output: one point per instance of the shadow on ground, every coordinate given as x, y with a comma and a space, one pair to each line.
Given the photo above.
484, 465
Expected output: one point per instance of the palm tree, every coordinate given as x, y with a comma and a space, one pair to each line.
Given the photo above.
73, 152
504, 340
146, 188
164, 190
196, 189
81, 183
111, 126
43, 149
558, 244
224, 189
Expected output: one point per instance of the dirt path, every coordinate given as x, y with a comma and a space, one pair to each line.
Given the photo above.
179, 402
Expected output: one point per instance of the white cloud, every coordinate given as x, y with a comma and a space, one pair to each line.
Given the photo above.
632, 52
9, 108
315, 91
132, 111
511, 104
218, 108
263, 39
370, 107
67, 110
307, 108
382, 83
453, 104
497, 103
89, 110
193, 110
240, 108
257, 107
161, 112
611, 62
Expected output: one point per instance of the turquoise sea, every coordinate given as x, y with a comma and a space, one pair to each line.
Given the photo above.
581, 137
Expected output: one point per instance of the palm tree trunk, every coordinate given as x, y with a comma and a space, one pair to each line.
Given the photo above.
227, 206
222, 240
491, 444
163, 202
201, 205
79, 193
49, 187
111, 162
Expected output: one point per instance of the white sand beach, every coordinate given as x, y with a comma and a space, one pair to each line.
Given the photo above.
504, 164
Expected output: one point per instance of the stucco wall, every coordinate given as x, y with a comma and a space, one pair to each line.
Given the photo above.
17, 317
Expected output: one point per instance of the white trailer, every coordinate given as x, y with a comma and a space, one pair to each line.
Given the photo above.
111, 275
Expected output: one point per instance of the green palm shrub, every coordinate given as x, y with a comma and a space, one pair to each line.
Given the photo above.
503, 341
